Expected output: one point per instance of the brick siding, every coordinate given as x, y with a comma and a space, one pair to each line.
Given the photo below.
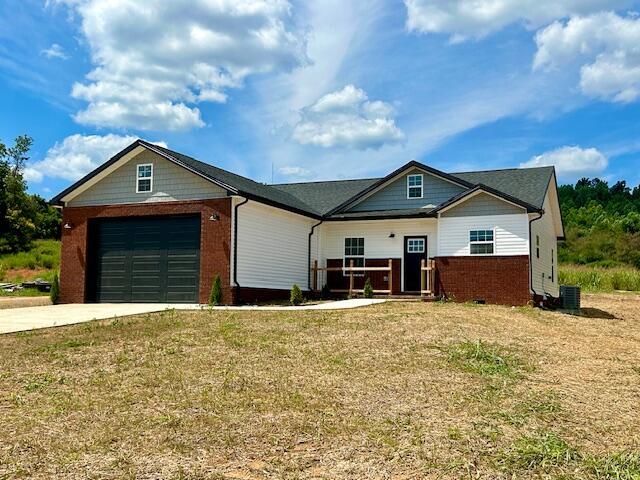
215, 242
499, 280
337, 281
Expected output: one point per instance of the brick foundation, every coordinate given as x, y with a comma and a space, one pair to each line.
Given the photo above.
215, 242
252, 296
499, 280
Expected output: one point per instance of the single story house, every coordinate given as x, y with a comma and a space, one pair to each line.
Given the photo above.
154, 225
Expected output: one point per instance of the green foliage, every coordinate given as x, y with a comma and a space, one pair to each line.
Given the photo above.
482, 358
600, 279
215, 297
623, 465
602, 223
368, 289
542, 451
325, 293
23, 217
296, 295
44, 254
54, 295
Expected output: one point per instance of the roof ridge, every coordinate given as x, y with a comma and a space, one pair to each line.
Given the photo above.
327, 181
503, 169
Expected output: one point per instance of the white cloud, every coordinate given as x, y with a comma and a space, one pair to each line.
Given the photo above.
156, 60
571, 162
55, 51
606, 46
346, 118
77, 155
295, 171
477, 18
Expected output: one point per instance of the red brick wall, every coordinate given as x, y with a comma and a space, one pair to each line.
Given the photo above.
215, 242
500, 280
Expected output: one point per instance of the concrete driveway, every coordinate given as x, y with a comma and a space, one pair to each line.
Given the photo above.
31, 318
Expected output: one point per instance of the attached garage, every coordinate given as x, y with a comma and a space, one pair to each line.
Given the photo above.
144, 259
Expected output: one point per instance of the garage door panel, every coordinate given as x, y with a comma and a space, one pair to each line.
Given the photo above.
148, 259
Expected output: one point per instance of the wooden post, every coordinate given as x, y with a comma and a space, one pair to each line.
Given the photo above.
432, 276
351, 277
422, 277
390, 276
315, 275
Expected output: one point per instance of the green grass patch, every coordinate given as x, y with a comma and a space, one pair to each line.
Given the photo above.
542, 451
620, 466
483, 358
44, 255
600, 279
25, 292
541, 406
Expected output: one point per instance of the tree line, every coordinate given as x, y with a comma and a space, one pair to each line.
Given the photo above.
23, 217
602, 223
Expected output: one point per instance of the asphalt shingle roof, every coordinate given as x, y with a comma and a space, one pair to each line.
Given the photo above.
325, 196
528, 185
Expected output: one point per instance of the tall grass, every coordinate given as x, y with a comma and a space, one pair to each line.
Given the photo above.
600, 279
44, 255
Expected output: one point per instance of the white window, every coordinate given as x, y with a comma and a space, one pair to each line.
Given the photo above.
144, 178
353, 250
415, 245
481, 242
414, 186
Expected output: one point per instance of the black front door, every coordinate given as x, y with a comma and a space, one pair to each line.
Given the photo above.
415, 250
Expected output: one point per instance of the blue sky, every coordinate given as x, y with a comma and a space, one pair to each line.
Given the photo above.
324, 89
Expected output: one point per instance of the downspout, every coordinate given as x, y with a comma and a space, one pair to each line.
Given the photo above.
235, 245
540, 214
309, 254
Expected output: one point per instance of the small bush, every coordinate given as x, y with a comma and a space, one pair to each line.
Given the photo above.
368, 289
215, 297
325, 293
296, 295
54, 295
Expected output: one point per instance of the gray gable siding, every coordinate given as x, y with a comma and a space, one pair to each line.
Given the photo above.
394, 195
482, 204
170, 182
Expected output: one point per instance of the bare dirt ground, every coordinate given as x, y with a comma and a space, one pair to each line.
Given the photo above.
398, 390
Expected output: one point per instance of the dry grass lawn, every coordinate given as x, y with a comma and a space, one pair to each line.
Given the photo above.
399, 390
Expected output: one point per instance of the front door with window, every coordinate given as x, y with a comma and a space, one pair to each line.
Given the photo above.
415, 250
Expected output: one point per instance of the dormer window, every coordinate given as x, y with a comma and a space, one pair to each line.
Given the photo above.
414, 186
144, 179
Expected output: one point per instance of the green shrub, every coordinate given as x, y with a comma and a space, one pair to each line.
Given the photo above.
215, 297
368, 289
55, 290
296, 295
325, 293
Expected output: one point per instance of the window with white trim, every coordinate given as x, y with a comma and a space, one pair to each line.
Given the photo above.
353, 250
144, 178
481, 242
415, 245
414, 186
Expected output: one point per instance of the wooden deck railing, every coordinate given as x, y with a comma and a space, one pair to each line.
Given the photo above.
351, 270
427, 276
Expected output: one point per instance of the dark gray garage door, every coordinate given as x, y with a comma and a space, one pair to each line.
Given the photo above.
146, 259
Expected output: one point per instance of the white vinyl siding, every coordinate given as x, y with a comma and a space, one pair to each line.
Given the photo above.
377, 242
272, 247
543, 280
511, 234
170, 183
